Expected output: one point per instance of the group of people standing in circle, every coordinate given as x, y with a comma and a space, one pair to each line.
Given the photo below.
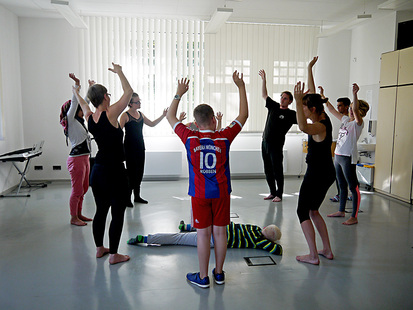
112, 183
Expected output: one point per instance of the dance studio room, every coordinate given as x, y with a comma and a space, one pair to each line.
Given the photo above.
103, 205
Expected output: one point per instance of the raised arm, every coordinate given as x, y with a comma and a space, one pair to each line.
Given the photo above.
311, 129
243, 102
116, 109
183, 86
329, 106
311, 84
356, 111
264, 84
219, 120
73, 106
83, 104
150, 123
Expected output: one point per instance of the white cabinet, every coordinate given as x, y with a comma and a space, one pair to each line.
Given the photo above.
394, 143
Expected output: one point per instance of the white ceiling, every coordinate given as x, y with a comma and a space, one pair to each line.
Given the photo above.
308, 12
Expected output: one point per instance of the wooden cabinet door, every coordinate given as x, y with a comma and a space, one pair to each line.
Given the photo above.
403, 144
389, 69
405, 66
384, 139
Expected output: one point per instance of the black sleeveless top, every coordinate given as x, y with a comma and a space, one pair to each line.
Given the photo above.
133, 134
319, 153
109, 140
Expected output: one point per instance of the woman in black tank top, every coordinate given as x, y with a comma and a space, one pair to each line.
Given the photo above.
109, 179
320, 173
133, 120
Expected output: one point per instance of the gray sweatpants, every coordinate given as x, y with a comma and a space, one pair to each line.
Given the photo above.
175, 239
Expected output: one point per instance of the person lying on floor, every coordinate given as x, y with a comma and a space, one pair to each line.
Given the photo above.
238, 236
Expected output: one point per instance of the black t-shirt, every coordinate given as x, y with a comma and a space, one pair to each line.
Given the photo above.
279, 121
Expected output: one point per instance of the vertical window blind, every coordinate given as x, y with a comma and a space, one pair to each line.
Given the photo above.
282, 51
154, 53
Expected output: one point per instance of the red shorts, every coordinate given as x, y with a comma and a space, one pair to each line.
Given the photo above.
208, 212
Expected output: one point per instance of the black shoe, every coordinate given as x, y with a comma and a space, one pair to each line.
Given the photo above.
129, 204
140, 200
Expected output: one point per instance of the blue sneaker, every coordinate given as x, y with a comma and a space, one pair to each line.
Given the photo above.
219, 278
195, 279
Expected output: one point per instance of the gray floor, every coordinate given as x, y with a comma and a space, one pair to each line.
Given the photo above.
48, 264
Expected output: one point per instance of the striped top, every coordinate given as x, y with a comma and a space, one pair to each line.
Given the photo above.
250, 236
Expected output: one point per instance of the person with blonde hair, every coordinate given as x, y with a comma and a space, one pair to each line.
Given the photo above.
346, 154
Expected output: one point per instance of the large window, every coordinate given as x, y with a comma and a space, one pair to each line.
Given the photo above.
155, 53
282, 51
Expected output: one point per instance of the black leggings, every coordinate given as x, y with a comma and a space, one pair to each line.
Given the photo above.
135, 167
110, 189
313, 190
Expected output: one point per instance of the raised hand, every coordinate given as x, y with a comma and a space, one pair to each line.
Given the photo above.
262, 74
116, 68
183, 86
321, 91
299, 92
74, 78
164, 112
219, 116
238, 78
312, 62
91, 83
182, 116
356, 88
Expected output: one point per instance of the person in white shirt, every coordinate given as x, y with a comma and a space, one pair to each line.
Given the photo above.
346, 154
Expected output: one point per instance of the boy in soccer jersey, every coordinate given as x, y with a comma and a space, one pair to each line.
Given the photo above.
209, 177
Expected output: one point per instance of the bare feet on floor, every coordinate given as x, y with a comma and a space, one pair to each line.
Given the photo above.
269, 197
118, 258
337, 214
326, 254
351, 221
101, 251
308, 259
76, 221
84, 218
276, 199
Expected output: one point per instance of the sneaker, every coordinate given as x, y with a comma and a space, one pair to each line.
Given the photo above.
195, 279
219, 278
336, 198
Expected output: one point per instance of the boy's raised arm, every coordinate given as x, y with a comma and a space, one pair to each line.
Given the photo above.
183, 86
243, 102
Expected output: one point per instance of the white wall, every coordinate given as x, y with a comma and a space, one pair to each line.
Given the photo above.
11, 95
48, 51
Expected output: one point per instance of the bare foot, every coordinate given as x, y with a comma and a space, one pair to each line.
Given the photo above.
101, 251
337, 214
276, 199
84, 218
326, 254
308, 259
118, 258
351, 221
78, 222
269, 197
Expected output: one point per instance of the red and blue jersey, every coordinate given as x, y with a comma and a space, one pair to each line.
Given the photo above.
208, 159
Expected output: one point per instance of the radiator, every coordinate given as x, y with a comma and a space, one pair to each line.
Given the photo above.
161, 165
249, 162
